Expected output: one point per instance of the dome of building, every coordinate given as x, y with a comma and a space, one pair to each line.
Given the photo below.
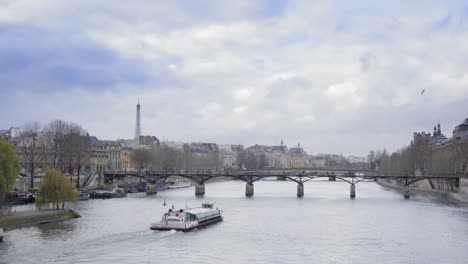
461, 129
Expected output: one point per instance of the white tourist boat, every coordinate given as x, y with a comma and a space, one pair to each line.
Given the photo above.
179, 184
188, 219
1, 235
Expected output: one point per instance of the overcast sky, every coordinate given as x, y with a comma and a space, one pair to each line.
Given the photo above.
337, 76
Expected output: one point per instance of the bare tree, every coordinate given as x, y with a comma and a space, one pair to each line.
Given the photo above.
75, 145
55, 133
461, 155
421, 154
262, 161
251, 161
32, 149
168, 158
142, 157
241, 158
80, 154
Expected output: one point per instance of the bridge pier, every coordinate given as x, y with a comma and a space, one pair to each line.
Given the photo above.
406, 193
199, 189
352, 191
300, 190
249, 189
151, 189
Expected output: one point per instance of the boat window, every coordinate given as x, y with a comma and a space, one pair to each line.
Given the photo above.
191, 217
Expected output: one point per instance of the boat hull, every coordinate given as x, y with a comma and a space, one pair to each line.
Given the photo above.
107, 195
178, 186
186, 229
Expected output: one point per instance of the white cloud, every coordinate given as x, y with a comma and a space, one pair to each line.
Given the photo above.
243, 94
308, 74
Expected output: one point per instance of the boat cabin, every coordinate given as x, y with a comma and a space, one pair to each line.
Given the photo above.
207, 205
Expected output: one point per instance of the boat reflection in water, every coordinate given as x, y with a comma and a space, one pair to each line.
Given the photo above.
188, 219
116, 193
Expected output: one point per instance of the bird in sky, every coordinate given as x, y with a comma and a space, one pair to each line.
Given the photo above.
422, 92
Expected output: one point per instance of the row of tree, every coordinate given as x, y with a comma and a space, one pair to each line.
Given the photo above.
60, 145
421, 158
247, 159
55, 187
165, 158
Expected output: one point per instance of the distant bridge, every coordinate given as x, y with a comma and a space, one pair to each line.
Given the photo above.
298, 176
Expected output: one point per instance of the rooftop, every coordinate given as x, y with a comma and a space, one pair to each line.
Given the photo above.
462, 127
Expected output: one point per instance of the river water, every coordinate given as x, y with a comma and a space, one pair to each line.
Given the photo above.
274, 226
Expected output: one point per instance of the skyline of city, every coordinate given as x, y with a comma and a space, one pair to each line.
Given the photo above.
139, 132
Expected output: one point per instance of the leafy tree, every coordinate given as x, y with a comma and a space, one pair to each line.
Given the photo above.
9, 167
55, 189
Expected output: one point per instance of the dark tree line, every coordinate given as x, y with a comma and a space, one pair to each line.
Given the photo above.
248, 160
165, 158
420, 158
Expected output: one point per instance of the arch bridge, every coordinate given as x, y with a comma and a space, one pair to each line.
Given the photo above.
297, 176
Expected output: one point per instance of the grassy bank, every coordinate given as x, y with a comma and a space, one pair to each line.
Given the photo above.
28, 218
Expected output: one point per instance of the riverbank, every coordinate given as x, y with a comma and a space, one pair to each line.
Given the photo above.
36, 217
459, 197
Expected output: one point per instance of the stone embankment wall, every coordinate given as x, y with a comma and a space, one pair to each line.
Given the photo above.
463, 185
457, 193
35, 217
462, 194
427, 185
439, 185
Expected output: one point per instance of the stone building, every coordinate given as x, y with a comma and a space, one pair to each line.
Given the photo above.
97, 156
450, 155
109, 155
461, 131
276, 156
148, 141
228, 155
7, 134
298, 158
279, 156
119, 155
319, 161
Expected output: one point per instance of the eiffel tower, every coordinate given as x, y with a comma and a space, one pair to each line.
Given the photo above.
138, 124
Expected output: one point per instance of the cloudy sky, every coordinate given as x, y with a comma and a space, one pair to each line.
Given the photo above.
338, 76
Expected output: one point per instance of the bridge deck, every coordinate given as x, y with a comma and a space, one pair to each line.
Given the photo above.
252, 176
